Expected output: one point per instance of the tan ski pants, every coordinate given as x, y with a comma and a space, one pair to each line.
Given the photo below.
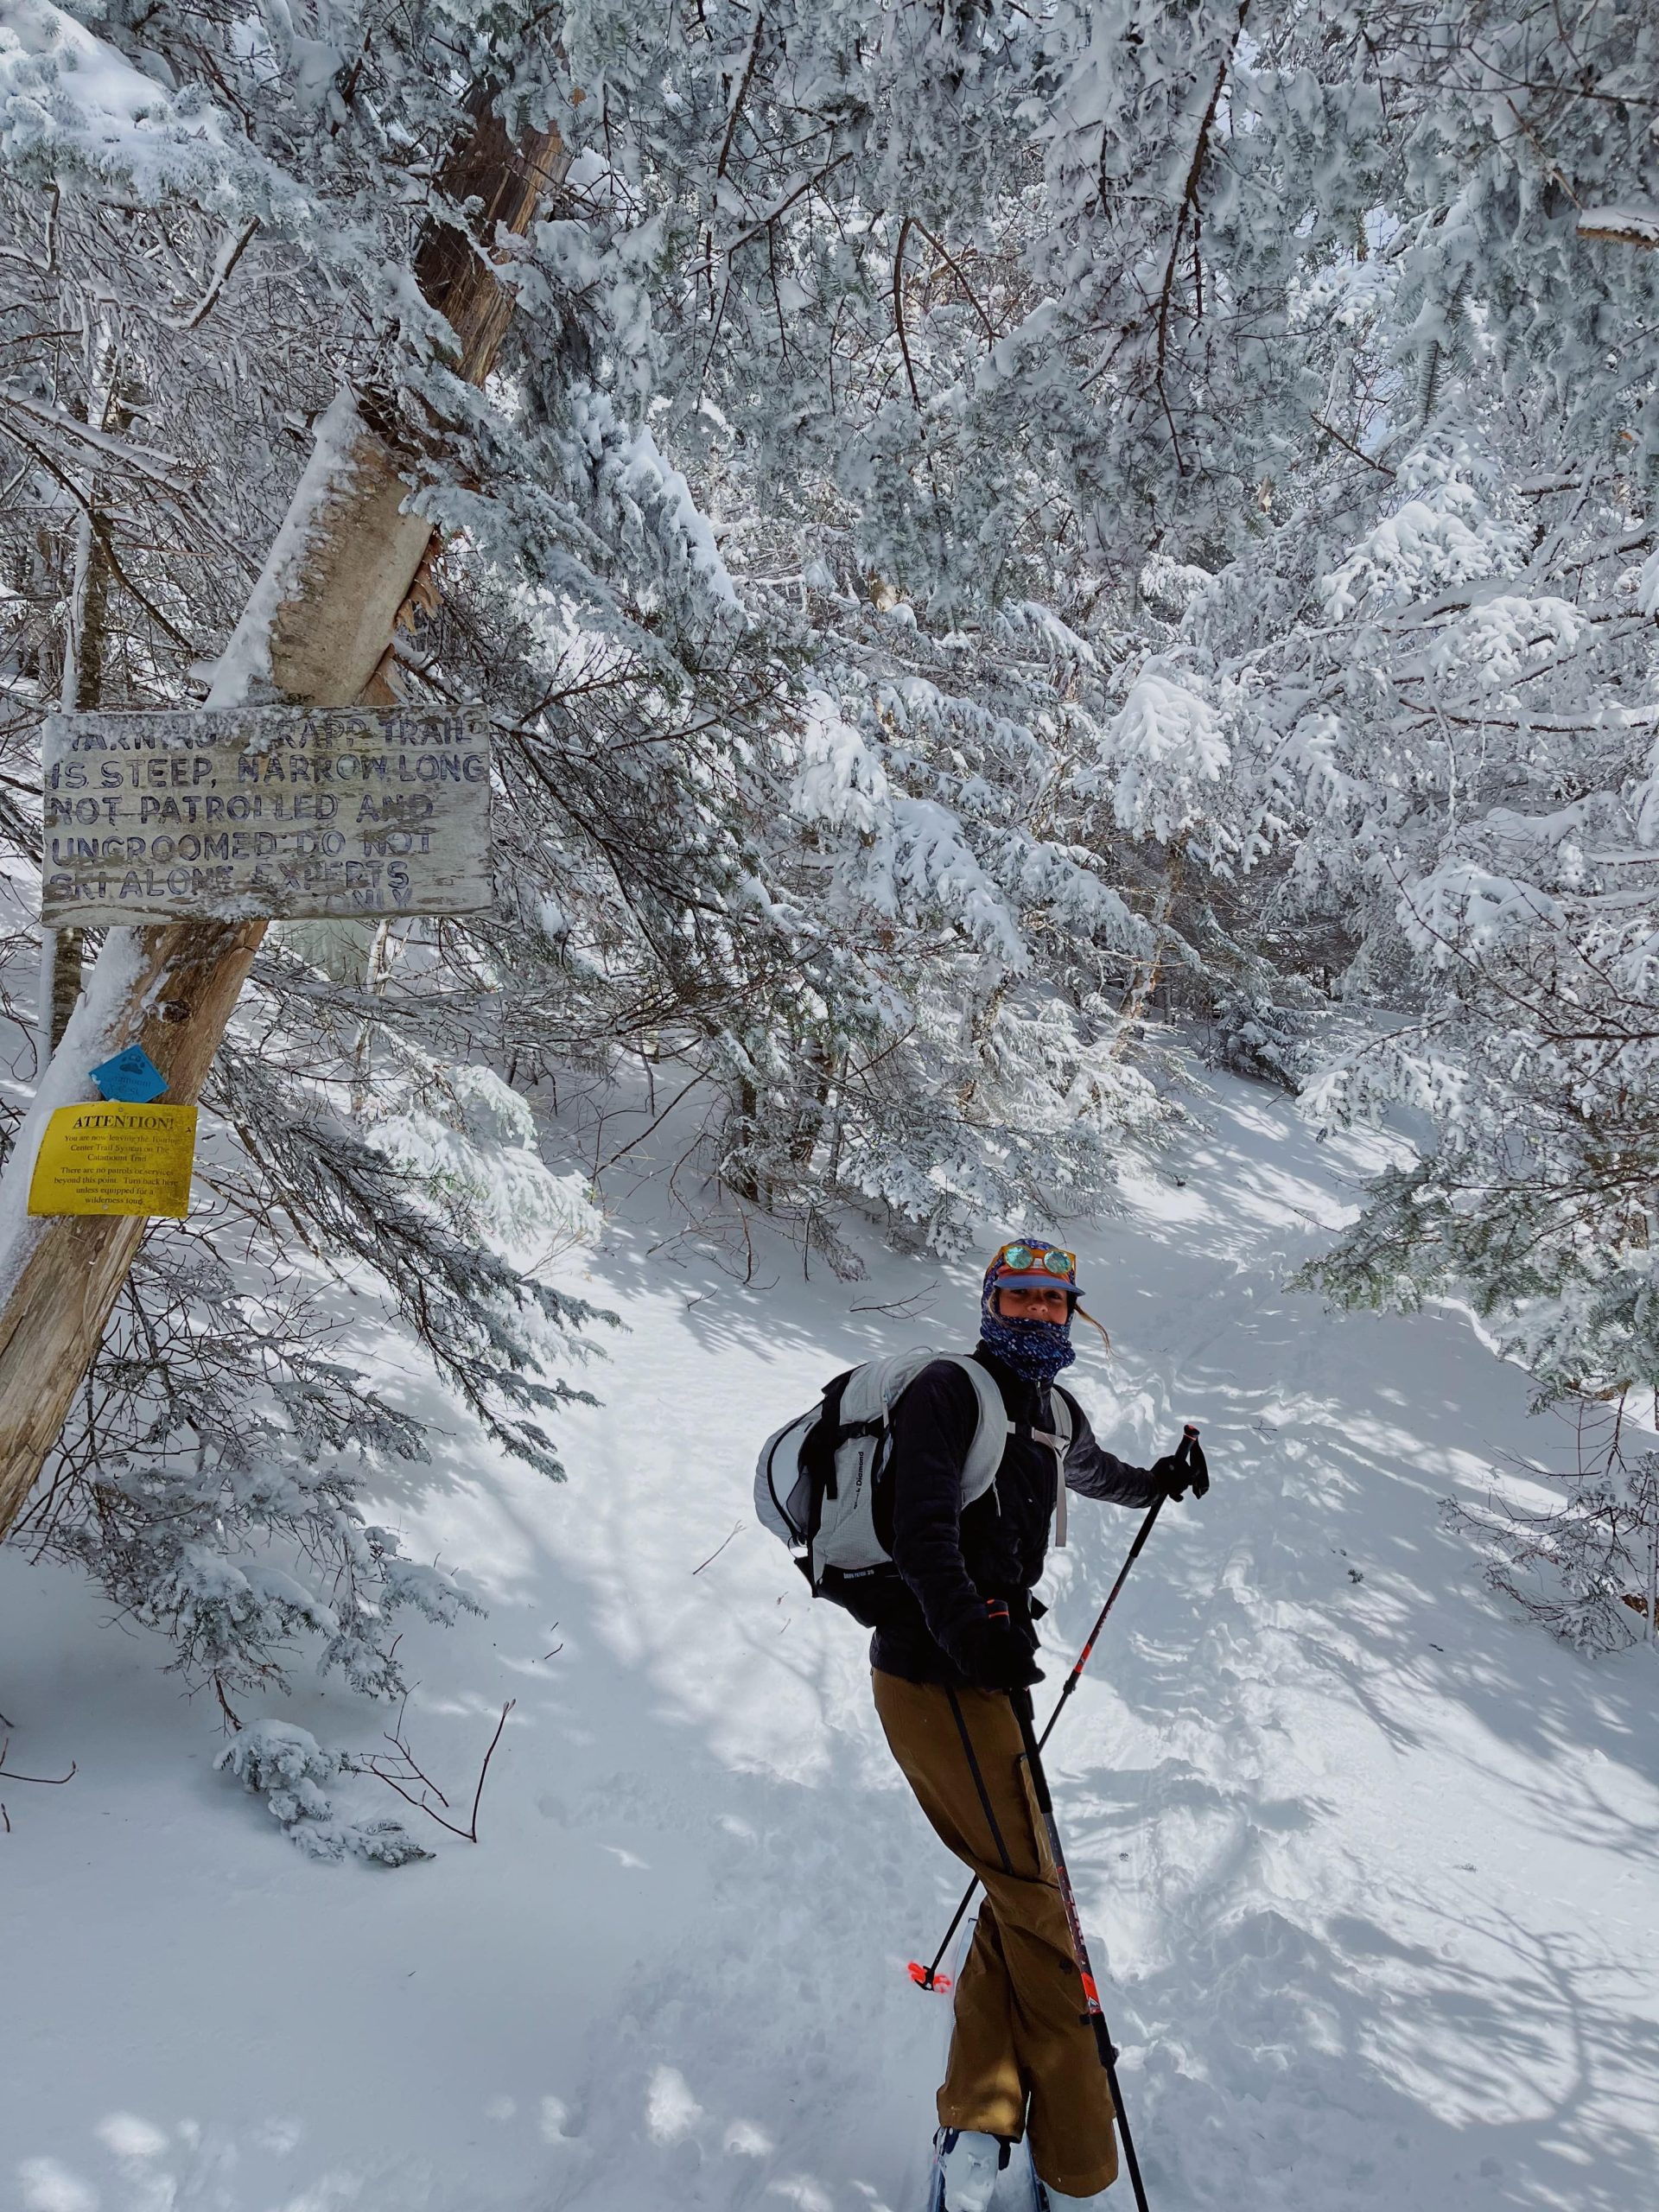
1022, 2052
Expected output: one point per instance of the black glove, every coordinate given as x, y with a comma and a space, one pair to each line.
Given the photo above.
1179, 1471
993, 1654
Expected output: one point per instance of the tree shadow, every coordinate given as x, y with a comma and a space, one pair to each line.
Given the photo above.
679, 1954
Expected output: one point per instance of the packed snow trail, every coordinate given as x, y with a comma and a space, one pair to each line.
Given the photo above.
1373, 1870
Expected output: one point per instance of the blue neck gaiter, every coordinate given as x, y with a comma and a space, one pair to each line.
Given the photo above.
1037, 1350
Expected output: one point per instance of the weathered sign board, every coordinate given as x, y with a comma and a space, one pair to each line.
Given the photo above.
105, 1157
226, 814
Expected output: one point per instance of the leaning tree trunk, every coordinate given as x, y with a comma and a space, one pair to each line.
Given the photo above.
84, 642
326, 606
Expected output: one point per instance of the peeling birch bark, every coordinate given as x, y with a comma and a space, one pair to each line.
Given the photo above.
315, 630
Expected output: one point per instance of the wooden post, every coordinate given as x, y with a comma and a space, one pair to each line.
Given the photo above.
326, 603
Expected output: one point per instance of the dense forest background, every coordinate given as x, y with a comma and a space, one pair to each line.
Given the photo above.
989, 532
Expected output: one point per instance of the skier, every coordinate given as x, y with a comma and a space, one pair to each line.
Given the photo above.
955, 1636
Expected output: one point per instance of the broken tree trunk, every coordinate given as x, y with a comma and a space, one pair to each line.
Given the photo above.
316, 628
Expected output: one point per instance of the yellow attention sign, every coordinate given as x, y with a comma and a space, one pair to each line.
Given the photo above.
107, 1158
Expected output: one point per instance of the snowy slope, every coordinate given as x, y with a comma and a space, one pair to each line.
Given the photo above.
1376, 1869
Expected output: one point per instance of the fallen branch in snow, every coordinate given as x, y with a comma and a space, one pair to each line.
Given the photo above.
11, 1773
716, 1552
901, 1309
51, 1781
377, 1761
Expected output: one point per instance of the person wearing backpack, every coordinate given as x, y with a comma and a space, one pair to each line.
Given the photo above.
955, 1635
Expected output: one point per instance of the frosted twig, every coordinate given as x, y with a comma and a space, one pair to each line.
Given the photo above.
415, 1773
716, 1553
156, 466
48, 1782
226, 262
783, 207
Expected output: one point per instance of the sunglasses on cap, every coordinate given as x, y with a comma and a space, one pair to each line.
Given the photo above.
1036, 1259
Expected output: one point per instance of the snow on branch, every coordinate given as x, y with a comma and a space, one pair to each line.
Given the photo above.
1621, 226
68, 100
1162, 757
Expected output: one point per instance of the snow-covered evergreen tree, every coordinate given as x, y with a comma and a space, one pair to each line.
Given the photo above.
1436, 671
980, 517
835, 861
214, 225
1587, 1566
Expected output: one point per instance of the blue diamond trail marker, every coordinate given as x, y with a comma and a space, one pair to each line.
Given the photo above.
131, 1077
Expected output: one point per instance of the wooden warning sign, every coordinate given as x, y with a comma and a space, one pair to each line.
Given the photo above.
232, 813
109, 1158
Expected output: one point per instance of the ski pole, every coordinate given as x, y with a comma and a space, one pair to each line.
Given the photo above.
1093, 2013
1188, 1457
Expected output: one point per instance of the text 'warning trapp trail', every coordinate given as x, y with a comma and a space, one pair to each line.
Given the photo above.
230, 814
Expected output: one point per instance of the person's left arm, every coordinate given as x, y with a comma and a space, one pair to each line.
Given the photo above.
1093, 1471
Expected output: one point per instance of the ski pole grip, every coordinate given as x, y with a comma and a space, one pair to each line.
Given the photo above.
1191, 1454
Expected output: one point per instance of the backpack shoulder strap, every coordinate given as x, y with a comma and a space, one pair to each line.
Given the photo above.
991, 1435
819, 1445
1063, 1413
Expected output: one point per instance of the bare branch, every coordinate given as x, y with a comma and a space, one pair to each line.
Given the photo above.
49, 1781
378, 1764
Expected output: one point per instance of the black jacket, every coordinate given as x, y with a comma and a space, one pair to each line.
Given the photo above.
949, 1560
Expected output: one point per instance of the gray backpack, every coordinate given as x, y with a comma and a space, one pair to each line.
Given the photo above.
816, 1480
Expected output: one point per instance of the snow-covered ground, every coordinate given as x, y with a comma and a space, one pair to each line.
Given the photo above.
1375, 1868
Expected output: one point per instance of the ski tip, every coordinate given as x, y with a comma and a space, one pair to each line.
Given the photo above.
926, 1979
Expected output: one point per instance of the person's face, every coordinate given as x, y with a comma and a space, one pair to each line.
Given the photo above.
1032, 1302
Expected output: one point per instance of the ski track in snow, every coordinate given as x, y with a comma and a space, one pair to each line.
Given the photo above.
1376, 1867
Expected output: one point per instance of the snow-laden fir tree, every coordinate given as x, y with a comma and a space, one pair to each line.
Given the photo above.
214, 230
216, 225
1435, 673
1586, 1565
979, 516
